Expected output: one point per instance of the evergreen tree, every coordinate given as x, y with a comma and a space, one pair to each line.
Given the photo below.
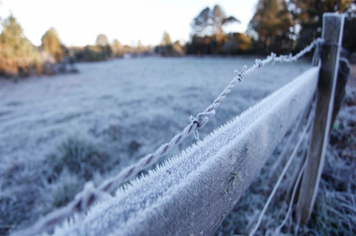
116, 44
218, 18
210, 22
272, 23
308, 14
13, 43
166, 39
201, 22
117, 48
102, 40
52, 44
17, 54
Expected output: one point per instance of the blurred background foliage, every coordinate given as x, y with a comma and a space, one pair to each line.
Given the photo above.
52, 44
277, 25
281, 26
17, 54
271, 27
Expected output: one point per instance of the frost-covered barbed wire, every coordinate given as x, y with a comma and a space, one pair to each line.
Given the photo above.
90, 194
286, 58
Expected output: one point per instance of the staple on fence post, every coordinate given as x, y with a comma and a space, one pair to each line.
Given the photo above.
332, 36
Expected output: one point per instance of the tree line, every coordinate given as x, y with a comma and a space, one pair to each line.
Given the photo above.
277, 25
20, 58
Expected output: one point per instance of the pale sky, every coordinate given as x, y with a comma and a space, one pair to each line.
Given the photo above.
78, 22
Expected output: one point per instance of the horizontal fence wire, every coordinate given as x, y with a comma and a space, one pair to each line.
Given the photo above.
277, 231
296, 148
90, 194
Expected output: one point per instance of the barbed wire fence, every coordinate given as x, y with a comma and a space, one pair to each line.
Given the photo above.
90, 194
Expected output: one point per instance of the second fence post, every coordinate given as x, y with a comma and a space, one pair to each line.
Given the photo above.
332, 35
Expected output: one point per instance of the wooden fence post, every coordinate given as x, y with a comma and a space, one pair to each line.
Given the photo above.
332, 34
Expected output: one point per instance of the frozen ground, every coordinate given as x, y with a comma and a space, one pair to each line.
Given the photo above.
109, 114
118, 102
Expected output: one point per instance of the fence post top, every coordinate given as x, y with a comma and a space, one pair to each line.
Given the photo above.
333, 23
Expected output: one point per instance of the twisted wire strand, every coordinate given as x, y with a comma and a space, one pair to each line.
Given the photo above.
89, 195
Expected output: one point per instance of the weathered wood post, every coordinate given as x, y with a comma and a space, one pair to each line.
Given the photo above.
332, 34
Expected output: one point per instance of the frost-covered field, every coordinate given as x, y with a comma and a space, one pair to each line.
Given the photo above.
116, 103
58, 132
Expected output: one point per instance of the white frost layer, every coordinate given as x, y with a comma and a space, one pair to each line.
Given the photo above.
167, 199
